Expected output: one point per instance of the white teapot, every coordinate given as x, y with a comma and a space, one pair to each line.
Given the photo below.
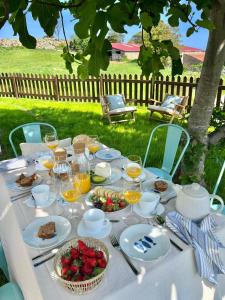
194, 202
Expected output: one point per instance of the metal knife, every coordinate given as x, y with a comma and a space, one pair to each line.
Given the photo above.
43, 261
52, 250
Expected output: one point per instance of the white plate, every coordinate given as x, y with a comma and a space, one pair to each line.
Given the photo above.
139, 178
108, 154
30, 202
114, 188
63, 228
16, 186
158, 211
101, 234
115, 176
135, 233
148, 186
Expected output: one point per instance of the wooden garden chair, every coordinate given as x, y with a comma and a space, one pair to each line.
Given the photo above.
173, 106
124, 109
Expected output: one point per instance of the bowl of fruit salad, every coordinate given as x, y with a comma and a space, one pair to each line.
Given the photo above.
80, 264
110, 199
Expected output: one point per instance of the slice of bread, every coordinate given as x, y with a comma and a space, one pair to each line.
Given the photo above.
47, 231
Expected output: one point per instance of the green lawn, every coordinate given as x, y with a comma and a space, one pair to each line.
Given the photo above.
40, 61
71, 119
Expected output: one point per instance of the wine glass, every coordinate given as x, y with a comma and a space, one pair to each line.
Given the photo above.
93, 144
51, 140
133, 167
132, 194
71, 193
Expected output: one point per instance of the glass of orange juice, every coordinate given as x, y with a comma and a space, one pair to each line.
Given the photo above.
83, 180
133, 167
51, 140
93, 144
71, 194
132, 194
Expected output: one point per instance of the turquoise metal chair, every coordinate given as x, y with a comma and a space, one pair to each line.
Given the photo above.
32, 133
10, 290
174, 133
215, 206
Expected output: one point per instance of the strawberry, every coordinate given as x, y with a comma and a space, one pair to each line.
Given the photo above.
64, 271
102, 263
83, 258
86, 269
74, 268
122, 204
99, 254
69, 277
81, 245
90, 252
92, 262
74, 253
78, 277
65, 259
109, 201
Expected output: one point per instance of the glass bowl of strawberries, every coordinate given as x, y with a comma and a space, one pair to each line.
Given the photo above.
80, 264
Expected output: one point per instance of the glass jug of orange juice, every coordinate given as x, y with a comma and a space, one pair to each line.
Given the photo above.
81, 168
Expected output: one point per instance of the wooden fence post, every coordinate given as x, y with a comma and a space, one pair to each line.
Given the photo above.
55, 87
14, 85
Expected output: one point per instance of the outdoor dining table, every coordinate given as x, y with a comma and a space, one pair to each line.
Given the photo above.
171, 277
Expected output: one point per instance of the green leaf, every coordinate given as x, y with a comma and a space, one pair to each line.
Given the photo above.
14, 5
173, 21
206, 24
116, 18
146, 21
82, 70
177, 67
190, 31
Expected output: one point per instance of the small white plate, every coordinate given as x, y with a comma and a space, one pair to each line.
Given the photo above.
158, 211
30, 202
156, 249
115, 176
148, 186
63, 228
113, 188
16, 186
139, 178
100, 234
108, 154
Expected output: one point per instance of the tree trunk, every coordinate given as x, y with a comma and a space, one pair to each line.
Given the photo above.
202, 109
5, 6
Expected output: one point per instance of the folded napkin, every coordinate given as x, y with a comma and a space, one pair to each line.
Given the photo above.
204, 241
11, 164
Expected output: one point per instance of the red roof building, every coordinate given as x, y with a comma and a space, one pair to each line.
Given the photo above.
120, 50
191, 55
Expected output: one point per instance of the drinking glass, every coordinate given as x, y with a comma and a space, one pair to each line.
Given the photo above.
133, 167
71, 193
93, 145
132, 194
51, 140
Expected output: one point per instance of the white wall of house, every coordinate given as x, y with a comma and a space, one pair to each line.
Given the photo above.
132, 55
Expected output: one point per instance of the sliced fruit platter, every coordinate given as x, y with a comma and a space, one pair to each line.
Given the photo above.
108, 199
81, 263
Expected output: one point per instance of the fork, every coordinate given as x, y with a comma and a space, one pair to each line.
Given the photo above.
116, 245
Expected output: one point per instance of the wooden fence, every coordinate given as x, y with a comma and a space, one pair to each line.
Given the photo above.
70, 88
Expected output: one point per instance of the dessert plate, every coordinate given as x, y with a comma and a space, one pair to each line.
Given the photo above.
144, 242
148, 186
30, 202
100, 234
108, 154
116, 175
15, 186
63, 228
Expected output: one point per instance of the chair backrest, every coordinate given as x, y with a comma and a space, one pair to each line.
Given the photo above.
31, 132
173, 137
219, 178
184, 100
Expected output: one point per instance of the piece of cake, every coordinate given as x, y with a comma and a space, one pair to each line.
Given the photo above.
103, 169
161, 185
47, 231
26, 180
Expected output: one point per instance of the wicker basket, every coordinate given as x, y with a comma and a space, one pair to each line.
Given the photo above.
81, 287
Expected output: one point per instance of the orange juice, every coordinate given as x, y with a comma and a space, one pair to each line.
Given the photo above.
84, 182
132, 197
133, 170
93, 147
52, 146
48, 164
71, 195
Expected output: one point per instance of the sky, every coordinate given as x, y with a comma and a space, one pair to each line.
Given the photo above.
197, 40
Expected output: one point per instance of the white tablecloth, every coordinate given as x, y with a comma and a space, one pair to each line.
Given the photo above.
173, 277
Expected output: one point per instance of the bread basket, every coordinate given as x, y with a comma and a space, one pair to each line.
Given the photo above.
81, 287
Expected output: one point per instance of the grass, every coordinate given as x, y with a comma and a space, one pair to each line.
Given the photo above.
41, 61
71, 119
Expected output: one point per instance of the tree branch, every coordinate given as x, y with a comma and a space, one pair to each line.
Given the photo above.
61, 5
64, 32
